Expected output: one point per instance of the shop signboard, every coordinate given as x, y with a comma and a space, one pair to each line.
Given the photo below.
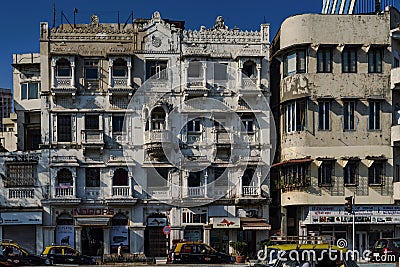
119, 235
363, 215
156, 222
22, 217
226, 222
65, 235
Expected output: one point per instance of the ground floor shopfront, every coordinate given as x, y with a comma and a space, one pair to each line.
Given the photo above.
150, 229
371, 223
23, 227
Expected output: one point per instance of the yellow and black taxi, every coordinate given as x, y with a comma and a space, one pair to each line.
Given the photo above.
310, 255
196, 252
66, 255
12, 254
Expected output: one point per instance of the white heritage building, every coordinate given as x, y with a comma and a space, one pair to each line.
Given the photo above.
126, 129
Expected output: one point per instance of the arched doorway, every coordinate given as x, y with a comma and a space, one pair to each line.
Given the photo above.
65, 183
120, 177
119, 233
156, 243
64, 233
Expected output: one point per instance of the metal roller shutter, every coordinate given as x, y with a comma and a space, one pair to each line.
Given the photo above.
24, 235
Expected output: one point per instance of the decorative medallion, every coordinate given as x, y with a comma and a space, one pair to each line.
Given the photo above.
156, 41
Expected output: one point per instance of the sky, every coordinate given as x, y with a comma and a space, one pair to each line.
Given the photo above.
20, 19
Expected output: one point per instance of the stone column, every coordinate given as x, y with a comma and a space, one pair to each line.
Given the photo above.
185, 187
204, 67
206, 234
239, 78
110, 65
78, 238
185, 75
259, 183
258, 75
129, 64
73, 73
106, 239
53, 73
206, 184
136, 239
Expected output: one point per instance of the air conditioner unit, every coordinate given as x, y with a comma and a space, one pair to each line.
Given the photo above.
252, 213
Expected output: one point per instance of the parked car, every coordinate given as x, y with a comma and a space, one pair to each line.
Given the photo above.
386, 250
66, 255
15, 255
326, 255
196, 252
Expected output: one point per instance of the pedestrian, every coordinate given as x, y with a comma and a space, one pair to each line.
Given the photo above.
119, 251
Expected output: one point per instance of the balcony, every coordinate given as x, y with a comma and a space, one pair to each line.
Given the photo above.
120, 87
250, 191
64, 86
395, 135
196, 191
93, 138
121, 191
196, 87
64, 191
249, 84
20, 193
395, 78
121, 195
155, 141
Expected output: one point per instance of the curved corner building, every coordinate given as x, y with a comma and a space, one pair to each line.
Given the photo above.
334, 81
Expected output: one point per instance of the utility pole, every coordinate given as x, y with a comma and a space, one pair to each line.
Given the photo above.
354, 224
349, 207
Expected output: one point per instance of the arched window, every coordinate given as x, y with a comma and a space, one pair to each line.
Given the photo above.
247, 177
63, 67
120, 177
249, 69
64, 219
158, 118
119, 68
119, 219
64, 177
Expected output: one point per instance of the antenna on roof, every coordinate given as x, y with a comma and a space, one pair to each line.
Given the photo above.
63, 16
126, 22
54, 14
119, 24
75, 11
265, 20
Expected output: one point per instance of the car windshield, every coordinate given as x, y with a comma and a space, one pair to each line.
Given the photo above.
10, 249
396, 243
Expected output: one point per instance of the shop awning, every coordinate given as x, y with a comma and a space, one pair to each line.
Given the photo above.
254, 224
292, 161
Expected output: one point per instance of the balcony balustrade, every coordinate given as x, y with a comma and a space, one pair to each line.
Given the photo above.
121, 191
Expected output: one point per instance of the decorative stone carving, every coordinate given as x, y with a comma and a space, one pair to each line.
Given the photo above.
94, 21
156, 41
220, 33
220, 24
